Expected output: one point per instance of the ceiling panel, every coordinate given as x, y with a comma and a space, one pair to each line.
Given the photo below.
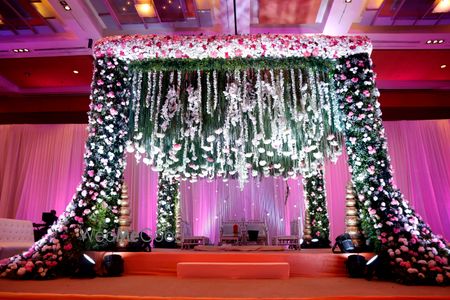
288, 12
47, 72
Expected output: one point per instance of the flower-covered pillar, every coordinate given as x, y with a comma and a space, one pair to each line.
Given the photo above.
315, 198
168, 196
96, 197
404, 240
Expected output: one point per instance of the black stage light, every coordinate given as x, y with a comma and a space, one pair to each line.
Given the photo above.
379, 267
345, 243
356, 266
113, 264
143, 243
86, 267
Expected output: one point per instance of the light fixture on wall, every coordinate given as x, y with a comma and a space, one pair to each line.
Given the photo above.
443, 66
348, 1
442, 7
75, 72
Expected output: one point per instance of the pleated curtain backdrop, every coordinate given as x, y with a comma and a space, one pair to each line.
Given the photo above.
41, 166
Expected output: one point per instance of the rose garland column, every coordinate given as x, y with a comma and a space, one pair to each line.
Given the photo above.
404, 240
99, 189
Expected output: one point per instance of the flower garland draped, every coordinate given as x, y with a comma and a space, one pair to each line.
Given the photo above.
415, 254
97, 195
228, 106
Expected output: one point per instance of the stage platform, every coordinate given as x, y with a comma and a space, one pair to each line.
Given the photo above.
303, 263
315, 274
169, 287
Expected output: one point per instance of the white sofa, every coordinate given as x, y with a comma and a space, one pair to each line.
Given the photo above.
16, 236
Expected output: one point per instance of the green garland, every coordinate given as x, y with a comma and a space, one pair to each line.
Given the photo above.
221, 64
315, 197
168, 197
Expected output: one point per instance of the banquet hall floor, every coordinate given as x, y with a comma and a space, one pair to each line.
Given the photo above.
169, 287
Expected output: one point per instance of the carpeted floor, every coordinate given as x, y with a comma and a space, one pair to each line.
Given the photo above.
169, 287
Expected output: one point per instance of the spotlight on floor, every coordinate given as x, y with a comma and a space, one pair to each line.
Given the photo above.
86, 267
356, 266
113, 264
345, 243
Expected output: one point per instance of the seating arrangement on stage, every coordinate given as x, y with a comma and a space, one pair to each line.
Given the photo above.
244, 232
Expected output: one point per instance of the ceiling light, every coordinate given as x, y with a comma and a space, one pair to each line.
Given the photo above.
442, 7
65, 5
21, 50
443, 66
145, 10
75, 71
43, 9
437, 41
347, 1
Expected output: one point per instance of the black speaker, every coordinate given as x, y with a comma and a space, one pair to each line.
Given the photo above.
356, 266
113, 264
345, 243
90, 42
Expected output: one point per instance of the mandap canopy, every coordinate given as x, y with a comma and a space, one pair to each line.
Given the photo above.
236, 106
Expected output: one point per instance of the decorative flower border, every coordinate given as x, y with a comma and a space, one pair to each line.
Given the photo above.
141, 47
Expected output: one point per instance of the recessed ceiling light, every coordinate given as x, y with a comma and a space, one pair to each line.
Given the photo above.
21, 50
65, 5
443, 66
348, 1
75, 71
438, 41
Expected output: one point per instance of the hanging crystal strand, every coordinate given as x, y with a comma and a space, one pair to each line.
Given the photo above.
133, 93
199, 99
137, 110
208, 93
300, 88
158, 102
313, 99
215, 87
171, 79
180, 105
335, 108
260, 101
274, 88
327, 101
294, 95
155, 77
149, 83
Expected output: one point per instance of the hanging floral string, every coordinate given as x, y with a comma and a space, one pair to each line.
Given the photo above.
255, 125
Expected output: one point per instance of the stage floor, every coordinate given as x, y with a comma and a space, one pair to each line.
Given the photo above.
169, 287
303, 263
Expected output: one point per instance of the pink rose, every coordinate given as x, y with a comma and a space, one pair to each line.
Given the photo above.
68, 247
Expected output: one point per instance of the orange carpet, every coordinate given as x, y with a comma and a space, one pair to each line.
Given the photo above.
168, 287
304, 263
